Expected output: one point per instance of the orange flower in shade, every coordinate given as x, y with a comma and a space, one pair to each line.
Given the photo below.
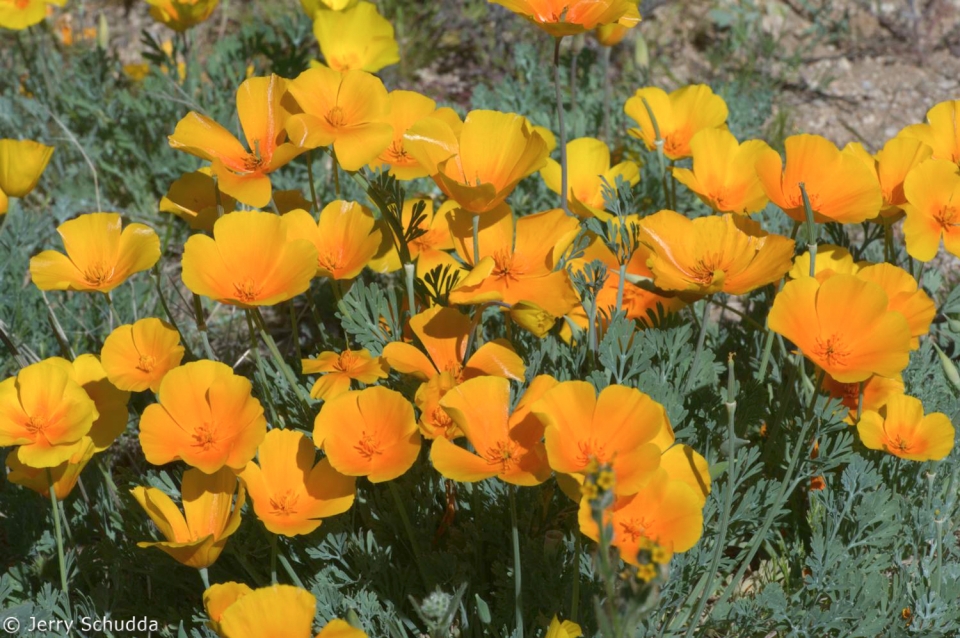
682, 463
240, 173
370, 432
346, 237
111, 402
99, 256
570, 17
65, 475
290, 493
508, 446
932, 190
466, 165
892, 164
588, 165
210, 516
338, 370
843, 325
618, 427
565, 629
941, 132
137, 356
218, 597
444, 333
250, 261
205, 416
21, 162
356, 38
404, 109
193, 198
181, 15
876, 391
20, 14
900, 428
46, 412
904, 296
831, 260
840, 186
346, 110
724, 174
429, 249
729, 253
666, 512
680, 115
518, 259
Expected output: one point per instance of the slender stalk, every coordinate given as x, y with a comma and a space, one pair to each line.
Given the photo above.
258, 363
409, 277
888, 251
622, 276
111, 312
701, 338
575, 598
562, 129
205, 577
408, 527
202, 327
313, 188
574, 56
11, 347
287, 567
336, 173
54, 506
515, 535
58, 332
273, 558
476, 239
811, 230
607, 94
295, 330
275, 353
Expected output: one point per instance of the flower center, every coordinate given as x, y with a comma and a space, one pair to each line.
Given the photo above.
591, 452
347, 361
247, 290
634, 528
706, 270
506, 454
336, 118
253, 163
396, 154
97, 274
367, 446
899, 444
504, 268
285, 504
37, 424
147, 363
205, 436
832, 350
948, 217
677, 142
329, 261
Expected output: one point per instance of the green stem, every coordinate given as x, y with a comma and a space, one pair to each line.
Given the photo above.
622, 275
476, 240
336, 173
278, 358
515, 536
287, 567
313, 188
414, 547
258, 363
701, 338
111, 312
562, 129
607, 94
811, 230
54, 506
166, 310
273, 558
58, 332
205, 577
202, 327
295, 329
575, 598
410, 276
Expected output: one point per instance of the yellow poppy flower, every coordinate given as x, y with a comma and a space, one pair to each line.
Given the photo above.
65, 475
193, 198
218, 598
588, 165
565, 629
180, 15
338, 370
99, 256
831, 260
904, 296
277, 611
724, 174
429, 250
877, 391
136, 357
346, 237
680, 115
20, 14
210, 516
346, 110
941, 132
932, 190
570, 17
249, 261
901, 428
892, 164
21, 164
404, 109
466, 165
111, 402
356, 38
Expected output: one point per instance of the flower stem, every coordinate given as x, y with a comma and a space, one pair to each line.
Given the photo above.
811, 230
409, 530
476, 239
166, 310
607, 94
205, 577
275, 353
575, 598
273, 559
410, 276
701, 338
313, 188
562, 129
336, 173
515, 535
54, 506
295, 329
202, 327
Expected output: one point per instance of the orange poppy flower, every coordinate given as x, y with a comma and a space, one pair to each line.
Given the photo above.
892, 164
900, 428
680, 115
666, 512
20, 14
941, 132
290, 493
617, 427
404, 109
463, 163
682, 463
346, 237
508, 446
876, 391
565, 629
65, 475
21, 162
240, 173
346, 110
356, 38
444, 333
382, 441
429, 249
724, 174
588, 165
711, 254
339, 369
518, 259
840, 186
217, 598
843, 326
249, 261
904, 296
210, 516
932, 190
205, 416
110, 401
610, 35
46, 412
99, 256
570, 17
193, 198
831, 260
181, 15
137, 356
